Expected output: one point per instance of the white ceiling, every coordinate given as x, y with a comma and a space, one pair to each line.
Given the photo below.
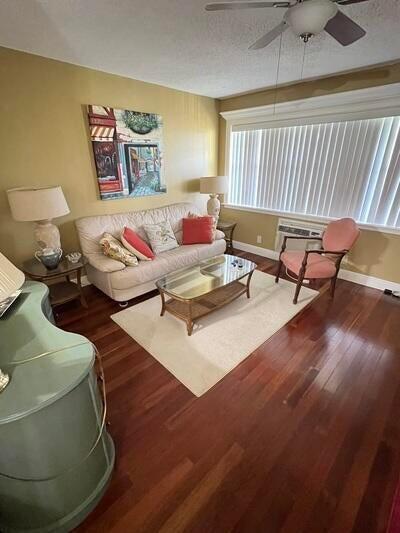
177, 44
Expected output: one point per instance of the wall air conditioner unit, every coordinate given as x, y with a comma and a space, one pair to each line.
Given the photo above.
301, 229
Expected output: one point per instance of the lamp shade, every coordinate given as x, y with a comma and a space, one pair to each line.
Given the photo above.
214, 185
11, 278
39, 203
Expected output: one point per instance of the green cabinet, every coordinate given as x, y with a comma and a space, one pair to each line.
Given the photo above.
56, 457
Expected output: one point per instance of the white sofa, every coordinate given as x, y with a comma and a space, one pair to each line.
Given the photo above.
121, 283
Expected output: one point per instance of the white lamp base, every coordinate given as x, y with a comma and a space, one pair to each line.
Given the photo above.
47, 234
214, 206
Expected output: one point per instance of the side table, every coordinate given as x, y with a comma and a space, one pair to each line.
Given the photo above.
61, 292
228, 229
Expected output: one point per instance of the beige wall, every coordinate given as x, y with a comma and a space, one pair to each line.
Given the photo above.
44, 140
375, 254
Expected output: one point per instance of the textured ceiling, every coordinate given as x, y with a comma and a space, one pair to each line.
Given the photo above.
177, 44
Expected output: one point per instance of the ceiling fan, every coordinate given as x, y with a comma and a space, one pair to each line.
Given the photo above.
306, 18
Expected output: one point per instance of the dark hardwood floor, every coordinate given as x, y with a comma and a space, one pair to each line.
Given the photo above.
303, 436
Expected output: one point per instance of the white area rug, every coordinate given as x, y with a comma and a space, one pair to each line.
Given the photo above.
220, 340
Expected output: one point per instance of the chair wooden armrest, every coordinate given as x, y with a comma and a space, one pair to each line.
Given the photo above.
297, 237
330, 252
301, 237
340, 256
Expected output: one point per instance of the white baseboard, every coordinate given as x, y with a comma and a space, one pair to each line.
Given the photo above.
355, 277
258, 250
369, 281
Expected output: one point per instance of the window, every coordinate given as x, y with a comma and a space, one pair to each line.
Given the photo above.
332, 170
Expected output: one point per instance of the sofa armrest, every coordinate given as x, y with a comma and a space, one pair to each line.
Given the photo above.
219, 234
104, 263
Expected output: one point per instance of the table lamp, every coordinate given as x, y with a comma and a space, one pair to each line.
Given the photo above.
11, 279
214, 186
40, 205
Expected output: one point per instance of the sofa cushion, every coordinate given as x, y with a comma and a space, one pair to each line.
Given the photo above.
132, 276
214, 223
165, 263
198, 230
105, 264
91, 229
205, 251
115, 250
161, 236
180, 257
218, 235
131, 240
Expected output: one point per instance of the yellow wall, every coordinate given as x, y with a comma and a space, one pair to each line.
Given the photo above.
375, 254
44, 140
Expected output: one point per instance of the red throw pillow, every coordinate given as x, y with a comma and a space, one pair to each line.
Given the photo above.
131, 240
198, 230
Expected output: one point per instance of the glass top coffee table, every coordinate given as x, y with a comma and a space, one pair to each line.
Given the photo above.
196, 291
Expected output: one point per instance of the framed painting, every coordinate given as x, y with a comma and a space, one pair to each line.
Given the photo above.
128, 152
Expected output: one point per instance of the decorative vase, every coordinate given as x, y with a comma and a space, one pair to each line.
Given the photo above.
50, 257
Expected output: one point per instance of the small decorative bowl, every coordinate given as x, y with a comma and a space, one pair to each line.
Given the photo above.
74, 257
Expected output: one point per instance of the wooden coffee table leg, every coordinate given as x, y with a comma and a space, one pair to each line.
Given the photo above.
189, 323
248, 284
162, 303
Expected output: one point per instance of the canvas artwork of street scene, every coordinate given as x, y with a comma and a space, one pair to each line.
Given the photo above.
127, 148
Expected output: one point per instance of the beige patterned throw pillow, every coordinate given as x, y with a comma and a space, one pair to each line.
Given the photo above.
113, 248
161, 236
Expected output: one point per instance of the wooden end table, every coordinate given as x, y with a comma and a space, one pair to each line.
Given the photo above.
61, 292
228, 229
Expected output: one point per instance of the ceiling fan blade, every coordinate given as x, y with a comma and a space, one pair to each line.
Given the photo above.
348, 2
223, 6
266, 39
344, 30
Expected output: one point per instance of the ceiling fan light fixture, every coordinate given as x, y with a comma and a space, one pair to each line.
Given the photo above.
310, 17
305, 18
305, 37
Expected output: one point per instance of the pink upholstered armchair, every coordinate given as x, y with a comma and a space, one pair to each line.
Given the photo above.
337, 240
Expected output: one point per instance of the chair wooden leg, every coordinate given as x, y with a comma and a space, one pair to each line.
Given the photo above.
333, 286
298, 287
278, 273
300, 277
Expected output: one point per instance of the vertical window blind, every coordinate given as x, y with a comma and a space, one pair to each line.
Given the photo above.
330, 170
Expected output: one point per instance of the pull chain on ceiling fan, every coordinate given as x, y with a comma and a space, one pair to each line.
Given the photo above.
306, 18
278, 70
277, 74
